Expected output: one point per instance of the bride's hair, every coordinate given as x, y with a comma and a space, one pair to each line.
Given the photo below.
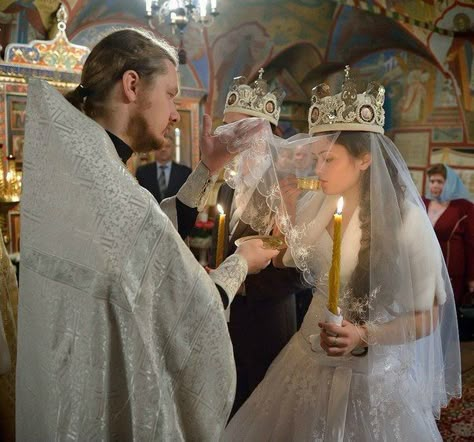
358, 144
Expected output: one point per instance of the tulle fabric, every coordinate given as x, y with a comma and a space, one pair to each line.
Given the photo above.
256, 171
291, 404
405, 301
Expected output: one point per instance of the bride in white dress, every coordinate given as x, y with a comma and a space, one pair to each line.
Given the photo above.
384, 374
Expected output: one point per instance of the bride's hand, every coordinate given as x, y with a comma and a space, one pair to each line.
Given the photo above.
338, 340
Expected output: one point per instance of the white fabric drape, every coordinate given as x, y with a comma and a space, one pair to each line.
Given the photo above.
122, 334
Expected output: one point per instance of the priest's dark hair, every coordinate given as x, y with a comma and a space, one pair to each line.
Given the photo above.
120, 51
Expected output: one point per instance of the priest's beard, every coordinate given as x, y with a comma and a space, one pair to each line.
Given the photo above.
142, 138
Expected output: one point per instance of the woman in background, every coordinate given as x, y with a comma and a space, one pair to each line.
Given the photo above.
452, 215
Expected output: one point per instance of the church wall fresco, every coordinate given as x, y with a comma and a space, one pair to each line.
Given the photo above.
424, 115
429, 76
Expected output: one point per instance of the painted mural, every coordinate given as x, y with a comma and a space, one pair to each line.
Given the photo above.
428, 75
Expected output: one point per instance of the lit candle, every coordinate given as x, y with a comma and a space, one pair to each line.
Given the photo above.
177, 137
148, 8
220, 236
203, 7
335, 270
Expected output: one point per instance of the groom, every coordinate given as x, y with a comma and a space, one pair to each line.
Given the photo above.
263, 319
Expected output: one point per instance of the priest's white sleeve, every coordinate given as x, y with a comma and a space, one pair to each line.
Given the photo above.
230, 275
194, 192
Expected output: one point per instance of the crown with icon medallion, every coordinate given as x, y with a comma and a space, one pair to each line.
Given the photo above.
348, 110
256, 99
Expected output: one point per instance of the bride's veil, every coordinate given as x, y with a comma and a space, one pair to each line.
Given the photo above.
399, 289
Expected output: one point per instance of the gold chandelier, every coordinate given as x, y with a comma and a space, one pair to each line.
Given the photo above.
178, 13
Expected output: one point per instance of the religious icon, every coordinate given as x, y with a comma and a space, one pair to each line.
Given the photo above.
232, 99
17, 147
314, 115
17, 112
270, 107
366, 113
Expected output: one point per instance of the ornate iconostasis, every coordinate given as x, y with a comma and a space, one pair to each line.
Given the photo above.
60, 62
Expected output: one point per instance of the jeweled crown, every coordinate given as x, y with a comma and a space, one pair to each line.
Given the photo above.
348, 110
255, 100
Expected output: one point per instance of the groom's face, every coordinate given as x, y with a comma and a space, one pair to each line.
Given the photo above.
232, 117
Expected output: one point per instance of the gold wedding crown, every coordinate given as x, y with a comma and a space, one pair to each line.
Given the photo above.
255, 100
348, 110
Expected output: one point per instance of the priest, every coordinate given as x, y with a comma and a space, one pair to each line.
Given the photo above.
121, 333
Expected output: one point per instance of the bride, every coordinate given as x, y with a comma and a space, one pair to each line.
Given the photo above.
386, 371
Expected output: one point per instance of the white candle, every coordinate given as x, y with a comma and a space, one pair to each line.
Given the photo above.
177, 137
220, 236
148, 8
203, 7
213, 5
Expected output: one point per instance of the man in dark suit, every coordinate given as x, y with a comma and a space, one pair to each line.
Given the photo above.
263, 319
163, 178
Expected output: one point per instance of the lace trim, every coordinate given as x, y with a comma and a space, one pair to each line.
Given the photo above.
230, 275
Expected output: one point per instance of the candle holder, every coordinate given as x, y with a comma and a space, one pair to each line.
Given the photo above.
331, 318
269, 242
10, 190
308, 183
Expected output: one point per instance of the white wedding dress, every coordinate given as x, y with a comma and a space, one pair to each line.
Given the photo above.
308, 396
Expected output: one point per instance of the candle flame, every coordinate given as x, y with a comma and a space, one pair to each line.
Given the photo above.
220, 209
340, 205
